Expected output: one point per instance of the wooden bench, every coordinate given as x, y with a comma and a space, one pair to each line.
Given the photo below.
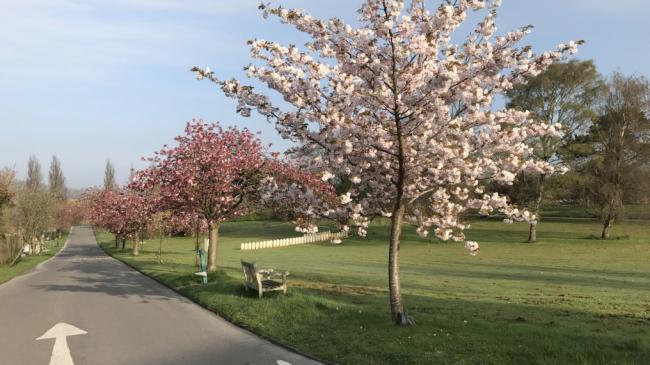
260, 279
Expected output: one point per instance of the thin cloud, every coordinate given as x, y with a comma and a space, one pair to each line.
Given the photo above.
90, 42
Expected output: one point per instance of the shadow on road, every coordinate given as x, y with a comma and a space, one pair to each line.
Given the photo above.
86, 268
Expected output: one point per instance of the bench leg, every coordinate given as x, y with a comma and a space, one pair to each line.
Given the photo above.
260, 293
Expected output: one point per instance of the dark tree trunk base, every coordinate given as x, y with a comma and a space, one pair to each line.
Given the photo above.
403, 320
605, 234
607, 224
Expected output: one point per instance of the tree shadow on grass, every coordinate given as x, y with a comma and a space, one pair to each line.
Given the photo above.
351, 327
561, 270
524, 274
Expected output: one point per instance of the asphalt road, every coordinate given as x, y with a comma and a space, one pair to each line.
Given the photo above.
129, 318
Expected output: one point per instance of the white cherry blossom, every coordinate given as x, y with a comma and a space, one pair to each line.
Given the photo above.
401, 111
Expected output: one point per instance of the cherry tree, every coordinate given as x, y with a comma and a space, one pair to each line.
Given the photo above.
122, 212
402, 112
68, 214
208, 174
101, 211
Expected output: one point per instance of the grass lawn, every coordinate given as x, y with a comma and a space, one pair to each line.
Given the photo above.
569, 299
27, 263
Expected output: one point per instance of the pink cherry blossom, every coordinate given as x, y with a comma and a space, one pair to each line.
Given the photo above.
207, 176
123, 212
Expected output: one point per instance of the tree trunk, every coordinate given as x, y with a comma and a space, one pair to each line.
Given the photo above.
41, 244
532, 232
123, 243
117, 241
606, 225
537, 208
196, 246
398, 314
32, 246
136, 245
160, 243
396, 305
213, 229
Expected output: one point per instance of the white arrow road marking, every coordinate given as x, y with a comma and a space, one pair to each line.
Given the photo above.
61, 352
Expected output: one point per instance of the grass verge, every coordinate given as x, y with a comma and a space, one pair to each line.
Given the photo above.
568, 299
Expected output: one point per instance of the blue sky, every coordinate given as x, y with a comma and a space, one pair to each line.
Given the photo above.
91, 80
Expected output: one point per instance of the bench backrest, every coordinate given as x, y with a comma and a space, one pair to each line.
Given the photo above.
250, 272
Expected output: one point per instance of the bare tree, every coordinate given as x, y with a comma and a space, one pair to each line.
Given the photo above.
34, 176
33, 215
621, 139
109, 177
57, 180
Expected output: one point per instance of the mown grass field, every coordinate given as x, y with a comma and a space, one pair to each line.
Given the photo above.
568, 299
27, 263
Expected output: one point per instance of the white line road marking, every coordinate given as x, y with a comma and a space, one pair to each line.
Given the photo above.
282, 362
61, 352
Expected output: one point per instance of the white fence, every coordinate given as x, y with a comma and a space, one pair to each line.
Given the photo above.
284, 242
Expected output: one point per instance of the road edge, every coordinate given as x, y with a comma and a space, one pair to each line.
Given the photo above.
215, 313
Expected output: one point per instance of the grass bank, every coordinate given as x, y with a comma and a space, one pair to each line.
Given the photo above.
29, 262
569, 299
